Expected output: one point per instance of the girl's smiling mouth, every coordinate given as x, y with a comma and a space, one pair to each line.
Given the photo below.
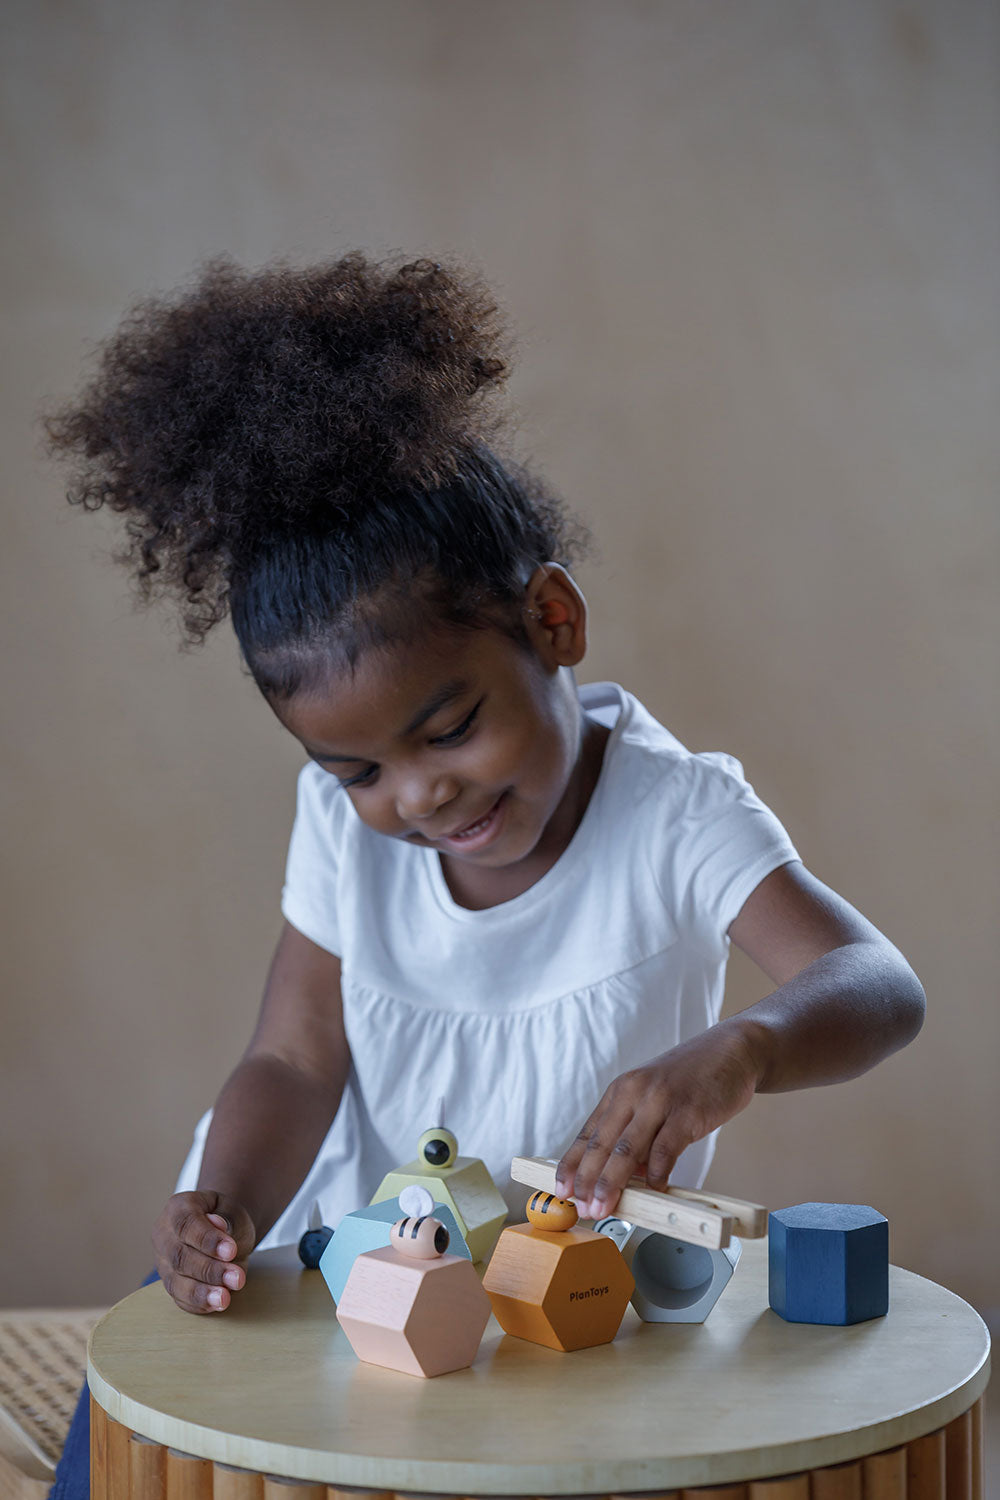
475, 836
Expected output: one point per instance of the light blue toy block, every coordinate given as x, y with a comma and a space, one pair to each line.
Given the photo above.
828, 1263
369, 1229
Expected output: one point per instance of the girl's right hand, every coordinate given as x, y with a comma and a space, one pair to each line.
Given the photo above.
199, 1240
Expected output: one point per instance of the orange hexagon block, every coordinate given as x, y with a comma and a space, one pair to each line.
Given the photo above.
567, 1290
424, 1317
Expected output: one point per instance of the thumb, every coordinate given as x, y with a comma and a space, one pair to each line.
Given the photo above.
233, 1220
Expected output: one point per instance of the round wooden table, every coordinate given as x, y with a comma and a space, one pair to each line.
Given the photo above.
214, 1408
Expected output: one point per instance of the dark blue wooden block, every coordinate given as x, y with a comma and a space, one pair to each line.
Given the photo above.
828, 1263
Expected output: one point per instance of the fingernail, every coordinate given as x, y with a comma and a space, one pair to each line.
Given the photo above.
561, 1187
225, 1249
231, 1279
598, 1208
215, 1299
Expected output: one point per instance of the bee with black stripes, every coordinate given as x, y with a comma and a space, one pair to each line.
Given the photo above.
423, 1238
546, 1211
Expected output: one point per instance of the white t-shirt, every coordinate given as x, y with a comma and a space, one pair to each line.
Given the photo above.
519, 1016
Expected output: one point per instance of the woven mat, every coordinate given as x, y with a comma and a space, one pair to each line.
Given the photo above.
43, 1359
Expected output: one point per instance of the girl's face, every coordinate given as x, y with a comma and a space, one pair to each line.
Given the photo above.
465, 742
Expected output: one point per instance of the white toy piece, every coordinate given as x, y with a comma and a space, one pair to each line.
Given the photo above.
415, 1202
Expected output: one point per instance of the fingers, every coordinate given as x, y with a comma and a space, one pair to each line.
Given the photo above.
614, 1153
632, 1133
648, 1116
227, 1248
196, 1288
663, 1153
197, 1248
239, 1235
567, 1168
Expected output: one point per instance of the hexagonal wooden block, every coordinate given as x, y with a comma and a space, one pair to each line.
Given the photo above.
369, 1229
567, 1290
465, 1187
828, 1263
422, 1317
675, 1281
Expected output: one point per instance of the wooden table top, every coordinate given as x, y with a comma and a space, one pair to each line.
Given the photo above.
272, 1385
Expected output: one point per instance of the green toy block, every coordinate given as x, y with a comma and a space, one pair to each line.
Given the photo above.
460, 1182
465, 1187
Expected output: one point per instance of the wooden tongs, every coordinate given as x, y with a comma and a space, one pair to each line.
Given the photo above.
687, 1214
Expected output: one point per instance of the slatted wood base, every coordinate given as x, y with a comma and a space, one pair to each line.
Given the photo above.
944, 1465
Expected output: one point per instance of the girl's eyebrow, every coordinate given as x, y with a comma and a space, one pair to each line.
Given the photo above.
444, 695
321, 756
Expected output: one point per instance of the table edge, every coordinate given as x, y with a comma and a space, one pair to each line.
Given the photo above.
446, 1476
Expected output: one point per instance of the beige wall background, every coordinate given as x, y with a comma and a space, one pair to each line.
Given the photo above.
751, 253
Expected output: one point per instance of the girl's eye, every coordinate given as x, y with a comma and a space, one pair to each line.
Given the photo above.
460, 731
363, 778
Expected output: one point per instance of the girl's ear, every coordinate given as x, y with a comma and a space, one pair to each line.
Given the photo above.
555, 616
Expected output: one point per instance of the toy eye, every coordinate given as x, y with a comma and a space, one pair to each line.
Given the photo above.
546, 1211
438, 1147
423, 1239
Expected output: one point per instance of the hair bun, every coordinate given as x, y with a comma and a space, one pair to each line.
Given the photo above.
256, 401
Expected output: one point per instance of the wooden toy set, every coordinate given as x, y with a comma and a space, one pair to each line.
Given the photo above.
408, 1304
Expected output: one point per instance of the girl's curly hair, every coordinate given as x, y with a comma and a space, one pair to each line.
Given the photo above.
308, 450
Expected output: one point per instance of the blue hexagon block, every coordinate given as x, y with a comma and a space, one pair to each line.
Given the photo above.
368, 1229
828, 1263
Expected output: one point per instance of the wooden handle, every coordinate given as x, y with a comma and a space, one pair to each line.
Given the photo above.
749, 1219
685, 1214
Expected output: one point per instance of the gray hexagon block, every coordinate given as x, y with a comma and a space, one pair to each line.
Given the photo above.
674, 1282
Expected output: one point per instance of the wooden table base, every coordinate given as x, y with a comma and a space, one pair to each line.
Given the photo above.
943, 1465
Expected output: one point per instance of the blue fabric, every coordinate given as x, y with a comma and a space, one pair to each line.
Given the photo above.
72, 1481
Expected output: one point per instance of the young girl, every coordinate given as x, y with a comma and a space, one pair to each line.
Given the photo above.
501, 889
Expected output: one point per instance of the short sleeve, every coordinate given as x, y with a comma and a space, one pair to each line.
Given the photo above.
727, 841
309, 897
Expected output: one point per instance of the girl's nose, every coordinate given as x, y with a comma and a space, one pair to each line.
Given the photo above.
420, 797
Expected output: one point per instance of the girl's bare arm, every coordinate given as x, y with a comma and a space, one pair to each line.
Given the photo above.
269, 1121
846, 998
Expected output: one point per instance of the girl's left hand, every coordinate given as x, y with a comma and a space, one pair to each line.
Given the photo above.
649, 1115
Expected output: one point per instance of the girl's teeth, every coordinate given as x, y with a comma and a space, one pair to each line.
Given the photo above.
474, 828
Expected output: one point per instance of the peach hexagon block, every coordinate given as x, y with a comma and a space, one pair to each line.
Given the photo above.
423, 1317
567, 1290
